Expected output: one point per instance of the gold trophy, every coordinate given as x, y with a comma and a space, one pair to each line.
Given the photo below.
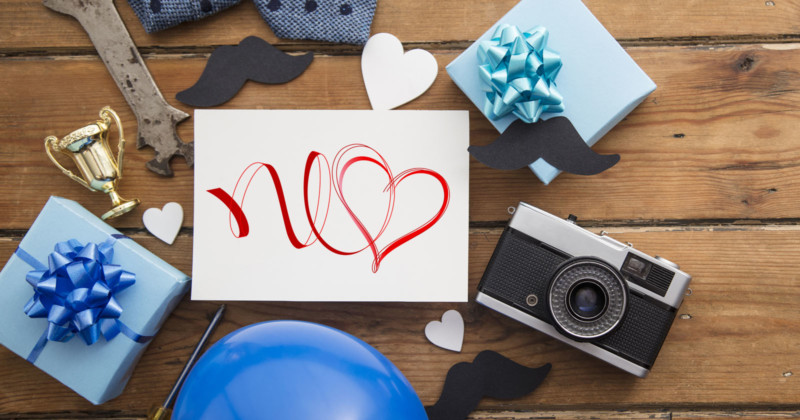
88, 148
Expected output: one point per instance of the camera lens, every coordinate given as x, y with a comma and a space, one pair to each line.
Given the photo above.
587, 299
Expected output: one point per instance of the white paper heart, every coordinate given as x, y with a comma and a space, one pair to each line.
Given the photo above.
391, 77
447, 334
164, 223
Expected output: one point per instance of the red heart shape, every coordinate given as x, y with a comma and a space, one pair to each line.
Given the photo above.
337, 182
393, 183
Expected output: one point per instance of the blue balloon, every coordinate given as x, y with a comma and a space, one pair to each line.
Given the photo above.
293, 370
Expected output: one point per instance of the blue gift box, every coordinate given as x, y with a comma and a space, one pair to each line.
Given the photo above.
98, 372
599, 82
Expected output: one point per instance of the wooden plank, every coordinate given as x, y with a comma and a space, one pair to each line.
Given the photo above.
738, 414
628, 414
537, 415
96, 415
569, 414
715, 142
28, 26
733, 345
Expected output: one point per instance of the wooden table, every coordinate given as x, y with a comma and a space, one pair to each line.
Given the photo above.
709, 178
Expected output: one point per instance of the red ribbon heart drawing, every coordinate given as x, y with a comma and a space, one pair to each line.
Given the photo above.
335, 177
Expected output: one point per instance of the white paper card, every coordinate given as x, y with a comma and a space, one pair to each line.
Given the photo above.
387, 193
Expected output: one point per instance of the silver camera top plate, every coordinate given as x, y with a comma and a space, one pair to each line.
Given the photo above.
577, 241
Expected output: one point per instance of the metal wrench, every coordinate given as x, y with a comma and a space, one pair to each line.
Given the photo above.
156, 118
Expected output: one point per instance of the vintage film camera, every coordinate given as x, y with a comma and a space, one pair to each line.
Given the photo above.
591, 292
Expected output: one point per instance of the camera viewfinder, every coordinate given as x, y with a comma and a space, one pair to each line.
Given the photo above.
636, 267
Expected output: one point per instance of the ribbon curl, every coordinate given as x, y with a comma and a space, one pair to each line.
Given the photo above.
518, 73
76, 293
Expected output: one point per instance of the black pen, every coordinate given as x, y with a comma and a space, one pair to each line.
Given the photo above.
164, 412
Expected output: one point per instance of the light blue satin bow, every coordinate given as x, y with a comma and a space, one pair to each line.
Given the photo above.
518, 74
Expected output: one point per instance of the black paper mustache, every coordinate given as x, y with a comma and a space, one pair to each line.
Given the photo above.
489, 375
555, 140
229, 67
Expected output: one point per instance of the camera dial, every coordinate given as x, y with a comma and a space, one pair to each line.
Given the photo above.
587, 299
668, 262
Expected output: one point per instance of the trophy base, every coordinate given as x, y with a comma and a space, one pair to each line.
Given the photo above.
121, 209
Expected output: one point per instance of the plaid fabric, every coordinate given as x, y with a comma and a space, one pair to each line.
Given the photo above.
157, 15
343, 21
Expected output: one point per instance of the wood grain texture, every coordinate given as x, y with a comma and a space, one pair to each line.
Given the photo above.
709, 178
626, 414
633, 415
26, 26
716, 141
550, 415
733, 344
748, 415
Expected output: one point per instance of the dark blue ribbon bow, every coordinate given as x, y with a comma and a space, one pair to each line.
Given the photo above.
76, 293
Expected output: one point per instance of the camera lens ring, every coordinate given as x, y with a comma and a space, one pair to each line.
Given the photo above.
602, 279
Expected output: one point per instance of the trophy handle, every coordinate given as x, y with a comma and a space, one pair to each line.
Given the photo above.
107, 114
48, 142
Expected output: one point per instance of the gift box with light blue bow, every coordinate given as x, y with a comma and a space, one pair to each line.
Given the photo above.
594, 82
81, 301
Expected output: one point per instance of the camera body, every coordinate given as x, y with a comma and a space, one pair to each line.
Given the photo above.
592, 292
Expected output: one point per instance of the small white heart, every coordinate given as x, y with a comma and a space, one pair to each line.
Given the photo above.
391, 77
164, 224
447, 334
